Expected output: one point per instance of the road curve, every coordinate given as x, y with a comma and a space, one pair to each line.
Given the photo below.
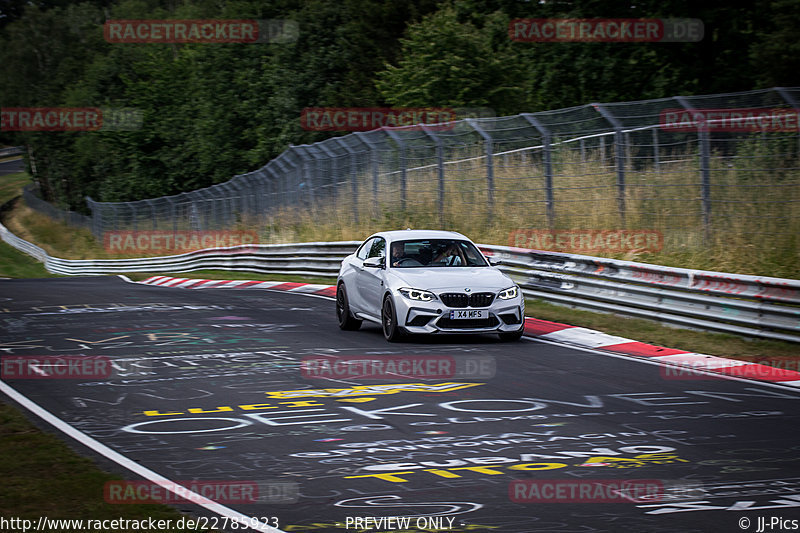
210, 385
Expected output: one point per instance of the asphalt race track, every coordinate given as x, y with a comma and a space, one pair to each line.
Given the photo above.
208, 385
11, 167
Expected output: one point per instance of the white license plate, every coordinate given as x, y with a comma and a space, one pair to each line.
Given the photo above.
464, 314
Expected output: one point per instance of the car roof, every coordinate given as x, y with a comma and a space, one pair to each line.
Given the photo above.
413, 234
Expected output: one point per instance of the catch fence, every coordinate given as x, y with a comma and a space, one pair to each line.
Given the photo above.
601, 166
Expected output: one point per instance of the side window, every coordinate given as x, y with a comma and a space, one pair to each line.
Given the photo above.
364, 250
378, 248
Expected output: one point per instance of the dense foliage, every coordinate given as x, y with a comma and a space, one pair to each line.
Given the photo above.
215, 110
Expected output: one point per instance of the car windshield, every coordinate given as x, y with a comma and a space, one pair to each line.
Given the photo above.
435, 253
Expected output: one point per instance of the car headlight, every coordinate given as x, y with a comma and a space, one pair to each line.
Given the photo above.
417, 294
509, 293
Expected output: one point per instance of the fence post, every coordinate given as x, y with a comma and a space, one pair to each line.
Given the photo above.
793, 103
304, 154
173, 213
602, 150
374, 157
283, 181
619, 156
487, 141
97, 218
705, 170
333, 166
402, 145
237, 184
275, 191
656, 160
440, 170
210, 207
548, 166
353, 172
151, 205
228, 203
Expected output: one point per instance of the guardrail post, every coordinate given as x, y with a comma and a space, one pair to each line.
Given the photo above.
548, 166
402, 145
353, 173
705, 170
619, 156
440, 171
487, 141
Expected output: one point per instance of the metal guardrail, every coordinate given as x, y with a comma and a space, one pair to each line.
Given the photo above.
14, 150
309, 259
752, 306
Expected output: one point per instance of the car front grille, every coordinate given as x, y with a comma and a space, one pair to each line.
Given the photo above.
460, 299
471, 323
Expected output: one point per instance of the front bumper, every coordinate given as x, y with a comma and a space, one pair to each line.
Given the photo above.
434, 316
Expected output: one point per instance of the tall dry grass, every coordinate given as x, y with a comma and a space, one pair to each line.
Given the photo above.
755, 228
755, 223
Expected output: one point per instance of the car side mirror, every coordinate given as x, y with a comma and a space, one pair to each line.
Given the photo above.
494, 262
374, 262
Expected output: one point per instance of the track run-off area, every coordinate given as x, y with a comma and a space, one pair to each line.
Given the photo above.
258, 393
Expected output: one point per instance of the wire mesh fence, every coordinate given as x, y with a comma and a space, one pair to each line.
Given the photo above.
68, 217
702, 170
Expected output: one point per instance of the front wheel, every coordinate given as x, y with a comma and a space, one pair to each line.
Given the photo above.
391, 330
346, 320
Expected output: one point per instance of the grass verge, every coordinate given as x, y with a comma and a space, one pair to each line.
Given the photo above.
42, 476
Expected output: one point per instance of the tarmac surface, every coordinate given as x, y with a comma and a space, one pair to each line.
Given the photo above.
304, 427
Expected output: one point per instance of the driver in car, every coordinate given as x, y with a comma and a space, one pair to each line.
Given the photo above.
397, 253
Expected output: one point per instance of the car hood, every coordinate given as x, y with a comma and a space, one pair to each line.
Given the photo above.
451, 278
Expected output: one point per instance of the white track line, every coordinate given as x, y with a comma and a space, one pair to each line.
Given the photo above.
134, 467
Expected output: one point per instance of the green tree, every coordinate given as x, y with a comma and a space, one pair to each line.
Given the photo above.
447, 62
